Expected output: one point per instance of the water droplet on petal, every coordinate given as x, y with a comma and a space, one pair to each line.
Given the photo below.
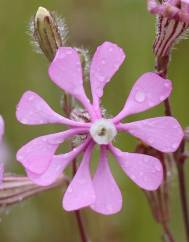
162, 98
140, 96
70, 190
141, 173
167, 84
24, 121
133, 177
82, 181
103, 62
69, 52
151, 104
150, 141
109, 208
174, 146
30, 98
20, 157
158, 168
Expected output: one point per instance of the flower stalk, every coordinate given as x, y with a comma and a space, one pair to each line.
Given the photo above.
162, 69
172, 24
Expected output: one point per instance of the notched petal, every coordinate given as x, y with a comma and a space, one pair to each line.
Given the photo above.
146, 171
148, 91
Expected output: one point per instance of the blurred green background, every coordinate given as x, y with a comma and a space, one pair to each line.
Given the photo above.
90, 22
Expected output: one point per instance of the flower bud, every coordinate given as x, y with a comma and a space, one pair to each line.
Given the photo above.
172, 23
48, 32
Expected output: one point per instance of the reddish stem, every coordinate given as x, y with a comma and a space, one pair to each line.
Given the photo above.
183, 197
167, 232
77, 213
83, 236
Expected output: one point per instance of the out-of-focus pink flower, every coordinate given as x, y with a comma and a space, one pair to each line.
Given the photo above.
172, 23
1, 136
100, 192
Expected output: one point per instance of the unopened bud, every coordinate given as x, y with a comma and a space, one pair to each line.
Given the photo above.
172, 25
48, 31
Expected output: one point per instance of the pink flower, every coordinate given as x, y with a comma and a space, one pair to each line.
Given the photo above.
101, 192
1, 136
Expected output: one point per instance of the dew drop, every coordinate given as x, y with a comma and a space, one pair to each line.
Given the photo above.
82, 181
109, 208
141, 173
151, 104
162, 98
174, 146
69, 52
158, 168
30, 98
103, 62
167, 84
146, 159
24, 121
150, 141
140, 96
133, 177
70, 190
20, 157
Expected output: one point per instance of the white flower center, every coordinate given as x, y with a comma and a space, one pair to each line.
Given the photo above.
103, 131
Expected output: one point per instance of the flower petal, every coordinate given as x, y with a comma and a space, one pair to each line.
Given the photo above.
105, 63
32, 110
66, 72
80, 192
108, 196
162, 133
146, 171
149, 90
56, 167
36, 155
1, 127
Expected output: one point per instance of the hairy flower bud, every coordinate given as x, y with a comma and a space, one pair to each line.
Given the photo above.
172, 25
48, 31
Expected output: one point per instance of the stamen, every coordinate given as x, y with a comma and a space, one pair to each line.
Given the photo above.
103, 131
